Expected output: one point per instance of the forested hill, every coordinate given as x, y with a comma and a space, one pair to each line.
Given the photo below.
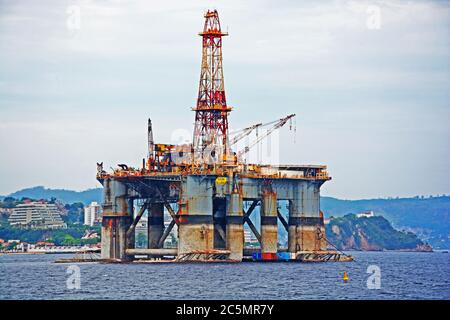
66, 196
429, 217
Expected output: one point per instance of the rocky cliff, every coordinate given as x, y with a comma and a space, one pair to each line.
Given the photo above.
371, 234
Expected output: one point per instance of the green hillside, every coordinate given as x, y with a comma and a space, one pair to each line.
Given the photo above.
373, 233
429, 218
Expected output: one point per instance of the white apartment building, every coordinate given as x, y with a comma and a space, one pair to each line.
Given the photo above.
37, 215
92, 214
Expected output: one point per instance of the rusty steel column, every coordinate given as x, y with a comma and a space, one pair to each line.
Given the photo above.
116, 220
269, 228
155, 224
306, 225
195, 215
235, 226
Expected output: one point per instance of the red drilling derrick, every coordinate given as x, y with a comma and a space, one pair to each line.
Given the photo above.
211, 113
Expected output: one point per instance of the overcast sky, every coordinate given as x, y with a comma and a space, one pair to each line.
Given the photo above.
369, 82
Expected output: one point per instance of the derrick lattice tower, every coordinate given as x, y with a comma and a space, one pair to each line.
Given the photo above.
211, 140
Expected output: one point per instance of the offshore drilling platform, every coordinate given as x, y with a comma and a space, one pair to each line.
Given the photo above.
204, 186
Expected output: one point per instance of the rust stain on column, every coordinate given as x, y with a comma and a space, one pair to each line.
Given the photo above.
235, 227
269, 229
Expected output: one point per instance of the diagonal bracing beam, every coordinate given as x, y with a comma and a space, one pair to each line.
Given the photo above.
221, 232
250, 210
166, 233
253, 228
131, 229
283, 221
167, 205
249, 222
165, 202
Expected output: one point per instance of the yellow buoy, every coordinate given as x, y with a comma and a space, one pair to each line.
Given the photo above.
345, 277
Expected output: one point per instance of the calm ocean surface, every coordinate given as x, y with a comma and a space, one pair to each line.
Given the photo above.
403, 276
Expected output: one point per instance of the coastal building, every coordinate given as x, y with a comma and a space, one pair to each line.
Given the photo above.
92, 214
38, 215
249, 237
366, 214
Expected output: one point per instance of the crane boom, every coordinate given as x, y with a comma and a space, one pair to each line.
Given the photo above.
278, 124
244, 133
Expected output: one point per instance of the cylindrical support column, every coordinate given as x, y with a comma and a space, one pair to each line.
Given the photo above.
306, 225
155, 224
114, 237
196, 228
269, 228
235, 227
116, 220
